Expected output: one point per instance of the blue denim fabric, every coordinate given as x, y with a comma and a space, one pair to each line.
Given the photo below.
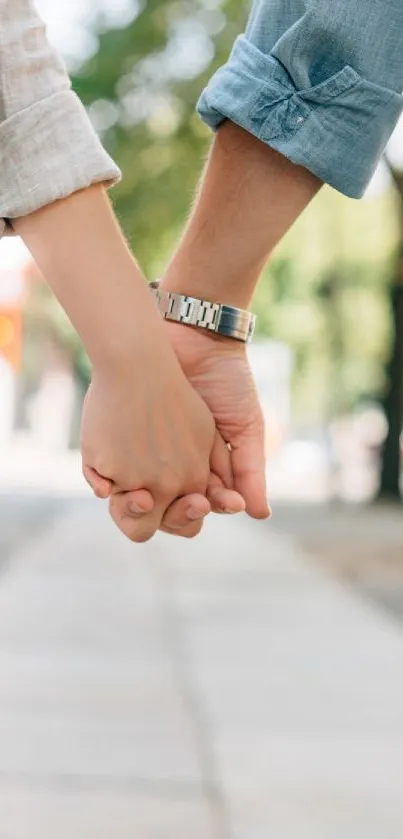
321, 81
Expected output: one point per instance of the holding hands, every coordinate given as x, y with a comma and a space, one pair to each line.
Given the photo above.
150, 443
172, 428
185, 456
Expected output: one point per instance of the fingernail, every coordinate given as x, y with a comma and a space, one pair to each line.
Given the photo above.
134, 508
194, 515
226, 512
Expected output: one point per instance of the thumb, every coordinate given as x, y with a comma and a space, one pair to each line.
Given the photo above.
249, 469
101, 487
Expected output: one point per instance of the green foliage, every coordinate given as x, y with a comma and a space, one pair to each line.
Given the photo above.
145, 80
326, 293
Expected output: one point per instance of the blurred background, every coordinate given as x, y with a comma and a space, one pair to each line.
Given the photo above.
328, 356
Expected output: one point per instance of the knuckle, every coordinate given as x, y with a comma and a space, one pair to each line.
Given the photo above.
102, 466
134, 532
191, 534
142, 538
170, 486
116, 516
200, 478
127, 525
116, 508
86, 476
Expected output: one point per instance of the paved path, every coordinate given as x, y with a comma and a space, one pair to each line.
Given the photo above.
23, 516
219, 689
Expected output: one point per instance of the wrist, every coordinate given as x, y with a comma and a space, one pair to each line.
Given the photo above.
134, 341
195, 347
202, 313
208, 286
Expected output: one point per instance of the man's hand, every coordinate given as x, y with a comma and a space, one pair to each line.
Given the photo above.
219, 370
249, 197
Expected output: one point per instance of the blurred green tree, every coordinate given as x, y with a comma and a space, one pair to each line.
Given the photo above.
141, 88
325, 292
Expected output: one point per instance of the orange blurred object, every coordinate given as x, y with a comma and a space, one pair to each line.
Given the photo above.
11, 335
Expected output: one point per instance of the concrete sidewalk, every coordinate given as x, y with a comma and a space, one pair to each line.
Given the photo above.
219, 689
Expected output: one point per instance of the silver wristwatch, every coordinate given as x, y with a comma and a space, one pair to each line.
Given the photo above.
216, 317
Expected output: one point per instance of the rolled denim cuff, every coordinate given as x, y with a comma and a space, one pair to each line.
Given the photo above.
337, 129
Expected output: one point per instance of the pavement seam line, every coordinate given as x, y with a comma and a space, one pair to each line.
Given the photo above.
172, 625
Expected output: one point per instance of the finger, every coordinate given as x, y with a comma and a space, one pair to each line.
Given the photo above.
224, 500
101, 487
185, 512
220, 461
189, 532
139, 526
248, 461
137, 502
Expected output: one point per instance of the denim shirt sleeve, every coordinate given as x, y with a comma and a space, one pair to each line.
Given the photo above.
320, 81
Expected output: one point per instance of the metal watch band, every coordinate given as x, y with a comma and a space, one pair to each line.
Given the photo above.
215, 317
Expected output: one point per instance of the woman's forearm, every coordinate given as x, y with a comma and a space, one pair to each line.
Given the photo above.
250, 196
80, 250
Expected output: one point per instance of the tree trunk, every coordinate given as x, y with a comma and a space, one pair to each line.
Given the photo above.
391, 465
390, 476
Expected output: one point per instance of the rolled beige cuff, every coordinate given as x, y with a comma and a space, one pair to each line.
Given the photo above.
48, 151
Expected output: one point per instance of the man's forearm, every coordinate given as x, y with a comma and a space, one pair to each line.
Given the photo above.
250, 196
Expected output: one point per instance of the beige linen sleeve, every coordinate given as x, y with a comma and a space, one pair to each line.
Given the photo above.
48, 148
